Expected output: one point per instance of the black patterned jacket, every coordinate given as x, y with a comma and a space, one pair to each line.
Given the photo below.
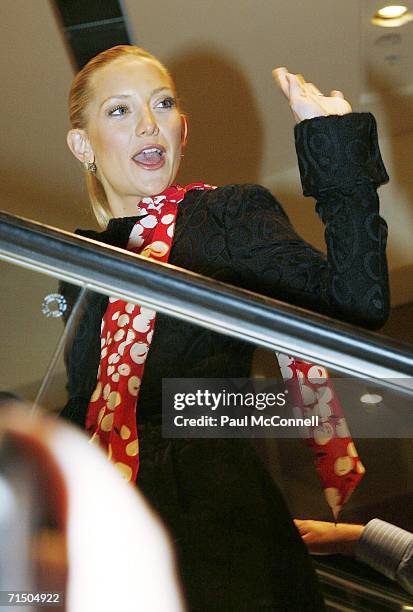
240, 235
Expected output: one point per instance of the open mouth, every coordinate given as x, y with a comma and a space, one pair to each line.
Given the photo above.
151, 157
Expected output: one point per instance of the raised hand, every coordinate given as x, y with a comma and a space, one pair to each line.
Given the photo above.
306, 100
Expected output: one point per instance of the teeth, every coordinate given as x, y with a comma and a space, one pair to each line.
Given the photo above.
153, 150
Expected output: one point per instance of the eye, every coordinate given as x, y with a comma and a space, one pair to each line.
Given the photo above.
117, 111
167, 102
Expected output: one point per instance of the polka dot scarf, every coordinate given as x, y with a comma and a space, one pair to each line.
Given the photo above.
337, 461
126, 335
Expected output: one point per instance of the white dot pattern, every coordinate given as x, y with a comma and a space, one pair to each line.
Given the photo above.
111, 418
337, 460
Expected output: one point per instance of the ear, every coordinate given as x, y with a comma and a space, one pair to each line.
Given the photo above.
184, 130
78, 142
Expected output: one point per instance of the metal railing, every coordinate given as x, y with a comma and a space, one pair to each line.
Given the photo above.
209, 303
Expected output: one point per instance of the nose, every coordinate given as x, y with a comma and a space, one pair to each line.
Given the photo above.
147, 125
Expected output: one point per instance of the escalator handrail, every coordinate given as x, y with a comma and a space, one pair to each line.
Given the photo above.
230, 310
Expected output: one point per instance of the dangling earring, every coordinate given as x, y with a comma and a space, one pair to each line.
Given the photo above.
90, 167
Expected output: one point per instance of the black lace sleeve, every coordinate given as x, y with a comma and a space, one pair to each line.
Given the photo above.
341, 167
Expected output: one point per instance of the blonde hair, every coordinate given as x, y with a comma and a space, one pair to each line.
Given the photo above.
79, 97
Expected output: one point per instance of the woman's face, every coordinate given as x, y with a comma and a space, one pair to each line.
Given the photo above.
135, 131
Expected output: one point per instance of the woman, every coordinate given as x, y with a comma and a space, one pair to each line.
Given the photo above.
237, 546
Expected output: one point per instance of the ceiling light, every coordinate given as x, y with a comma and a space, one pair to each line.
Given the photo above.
392, 16
392, 12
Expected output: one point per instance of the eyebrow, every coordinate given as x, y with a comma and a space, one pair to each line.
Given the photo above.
122, 96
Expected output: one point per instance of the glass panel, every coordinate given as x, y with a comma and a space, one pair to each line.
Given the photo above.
380, 421
37, 347
32, 311
181, 350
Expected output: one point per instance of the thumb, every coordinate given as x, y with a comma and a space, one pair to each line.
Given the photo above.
337, 94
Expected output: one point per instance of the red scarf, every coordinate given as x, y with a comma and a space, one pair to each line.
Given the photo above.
336, 458
126, 335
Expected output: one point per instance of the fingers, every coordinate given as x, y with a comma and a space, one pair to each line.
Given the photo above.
307, 537
285, 80
297, 85
301, 80
280, 77
313, 89
302, 526
306, 100
293, 84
